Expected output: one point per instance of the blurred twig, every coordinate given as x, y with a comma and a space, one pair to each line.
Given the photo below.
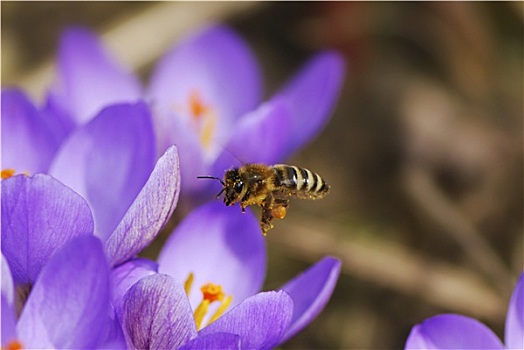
392, 266
140, 39
429, 199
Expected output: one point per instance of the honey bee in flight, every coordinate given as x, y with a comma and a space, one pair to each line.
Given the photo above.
270, 187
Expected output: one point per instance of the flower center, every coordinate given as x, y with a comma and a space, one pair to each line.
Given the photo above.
197, 106
22, 292
204, 118
13, 345
7, 173
210, 293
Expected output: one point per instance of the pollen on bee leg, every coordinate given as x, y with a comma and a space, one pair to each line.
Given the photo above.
279, 212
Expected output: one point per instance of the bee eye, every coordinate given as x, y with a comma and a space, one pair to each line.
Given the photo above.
238, 187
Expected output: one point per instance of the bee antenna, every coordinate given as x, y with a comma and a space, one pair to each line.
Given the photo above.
213, 178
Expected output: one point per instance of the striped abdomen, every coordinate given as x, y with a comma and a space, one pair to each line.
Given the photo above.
299, 181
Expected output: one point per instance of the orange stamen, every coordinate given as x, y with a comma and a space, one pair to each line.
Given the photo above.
7, 173
189, 283
197, 107
13, 345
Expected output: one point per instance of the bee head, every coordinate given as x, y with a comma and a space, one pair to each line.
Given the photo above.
233, 187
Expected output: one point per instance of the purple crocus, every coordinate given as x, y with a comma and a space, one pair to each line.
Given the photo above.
206, 98
68, 304
40, 215
211, 270
450, 331
108, 160
156, 314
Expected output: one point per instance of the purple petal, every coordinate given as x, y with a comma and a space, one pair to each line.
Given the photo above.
217, 244
177, 131
8, 321
8, 333
155, 314
452, 332
514, 332
126, 275
68, 305
224, 341
252, 131
217, 64
60, 121
39, 215
149, 212
313, 93
260, 320
88, 78
310, 292
113, 337
108, 162
28, 142
8, 286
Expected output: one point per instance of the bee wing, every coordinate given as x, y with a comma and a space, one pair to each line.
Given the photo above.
287, 193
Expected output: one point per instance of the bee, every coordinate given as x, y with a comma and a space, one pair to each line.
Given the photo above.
270, 187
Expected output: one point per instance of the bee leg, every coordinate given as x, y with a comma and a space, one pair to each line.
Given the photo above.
267, 215
265, 222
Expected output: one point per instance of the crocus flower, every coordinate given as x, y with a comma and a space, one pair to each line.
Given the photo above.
450, 331
156, 314
107, 160
206, 98
211, 270
68, 304
40, 215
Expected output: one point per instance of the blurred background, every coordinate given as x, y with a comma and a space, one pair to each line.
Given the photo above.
424, 151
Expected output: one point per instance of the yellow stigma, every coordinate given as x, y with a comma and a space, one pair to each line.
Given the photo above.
197, 107
210, 293
7, 173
